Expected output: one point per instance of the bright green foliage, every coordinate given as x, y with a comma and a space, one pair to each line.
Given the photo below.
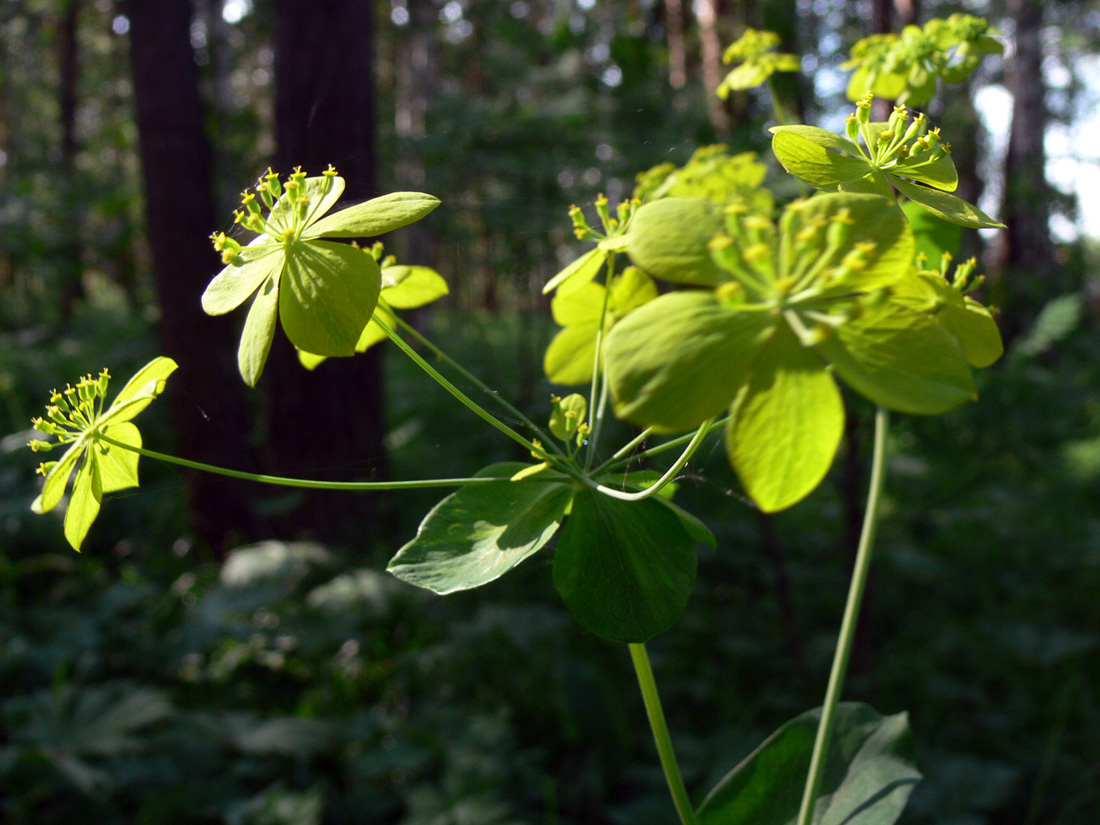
322, 292
799, 302
949, 300
610, 240
711, 173
934, 236
624, 569
910, 157
905, 68
77, 418
869, 773
403, 287
480, 532
668, 239
571, 356
754, 49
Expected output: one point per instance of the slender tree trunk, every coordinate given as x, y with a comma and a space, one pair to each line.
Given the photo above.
706, 16
677, 58
69, 255
328, 422
205, 394
1025, 245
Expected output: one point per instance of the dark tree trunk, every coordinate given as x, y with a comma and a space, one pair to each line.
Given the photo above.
326, 423
706, 17
205, 394
1023, 260
69, 255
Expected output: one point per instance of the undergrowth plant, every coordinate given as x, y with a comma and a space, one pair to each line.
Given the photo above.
704, 305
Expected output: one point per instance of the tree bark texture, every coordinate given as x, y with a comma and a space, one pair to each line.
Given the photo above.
329, 422
205, 395
1023, 258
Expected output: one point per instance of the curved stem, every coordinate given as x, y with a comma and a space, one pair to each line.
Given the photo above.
660, 733
848, 624
476, 408
668, 445
626, 448
473, 379
312, 484
670, 474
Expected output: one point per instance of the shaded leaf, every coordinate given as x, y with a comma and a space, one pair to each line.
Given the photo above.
624, 569
374, 217
668, 239
869, 773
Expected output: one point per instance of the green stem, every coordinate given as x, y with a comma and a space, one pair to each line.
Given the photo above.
660, 733
472, 405
848, 624
473, 379
312, 484
661, 448
670, 474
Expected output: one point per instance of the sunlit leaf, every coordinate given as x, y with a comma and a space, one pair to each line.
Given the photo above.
374, 217
946, 206
327, 296
480, 532
682, 358
785, 424
668, 239
84, 502
259, 331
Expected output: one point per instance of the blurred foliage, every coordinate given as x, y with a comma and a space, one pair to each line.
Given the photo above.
142, 683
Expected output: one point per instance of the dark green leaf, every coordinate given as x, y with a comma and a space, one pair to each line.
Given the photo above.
625, 569
869, 773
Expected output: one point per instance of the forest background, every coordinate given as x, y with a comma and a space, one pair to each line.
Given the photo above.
223, 654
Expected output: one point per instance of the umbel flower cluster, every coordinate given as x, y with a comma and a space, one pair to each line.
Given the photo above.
323, 292
100, 443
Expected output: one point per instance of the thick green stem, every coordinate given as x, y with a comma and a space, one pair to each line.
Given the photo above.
660, 733
481, 413
312, 484
848, 624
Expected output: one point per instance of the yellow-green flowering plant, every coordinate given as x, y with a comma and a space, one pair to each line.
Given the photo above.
755, 52
77, 419
766, 309
323, 292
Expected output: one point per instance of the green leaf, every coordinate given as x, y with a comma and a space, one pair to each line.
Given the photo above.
408, 287
933, 235
148, 382
682, 358
118, 467
668, 239
692, 525
232, 286
785, 425
571, 356
969, 322
375, 217
902, 359
84, 502
940, 173
578, 273
946, 206
869, 773
327, 295
259, 330
58, 479
579, 306
480, 532
624, 569
802, 152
